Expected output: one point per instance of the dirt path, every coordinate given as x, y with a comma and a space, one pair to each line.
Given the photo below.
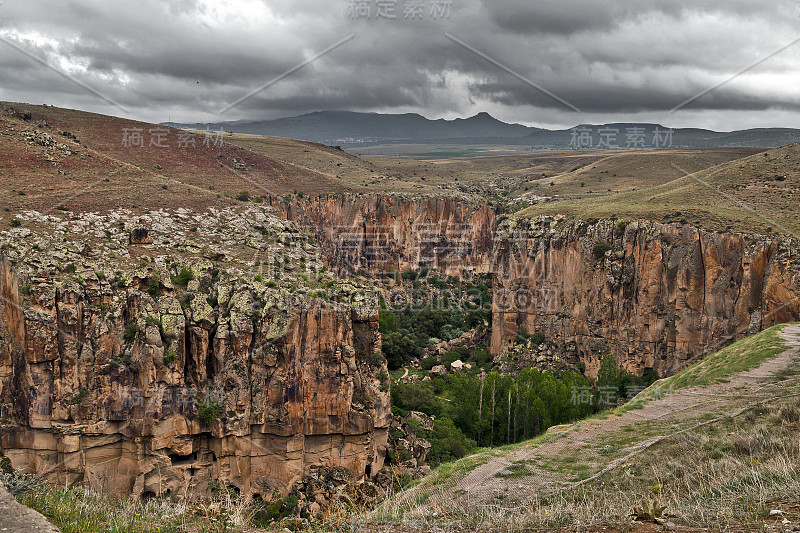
16, 518
570, 454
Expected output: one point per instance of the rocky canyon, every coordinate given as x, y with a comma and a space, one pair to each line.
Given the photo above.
655, 296
170, 352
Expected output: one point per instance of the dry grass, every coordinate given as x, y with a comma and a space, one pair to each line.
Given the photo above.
759, 193
741, 356
77, 510
100, 172
573, 174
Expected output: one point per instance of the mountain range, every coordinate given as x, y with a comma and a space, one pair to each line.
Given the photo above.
348, 128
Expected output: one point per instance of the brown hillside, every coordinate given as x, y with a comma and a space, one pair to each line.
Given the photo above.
51, 157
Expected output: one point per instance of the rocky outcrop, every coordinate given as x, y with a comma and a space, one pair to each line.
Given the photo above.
469, 339
230, 356
653, 295
408, 449
390, 233
325, 486
17, 518
130, 383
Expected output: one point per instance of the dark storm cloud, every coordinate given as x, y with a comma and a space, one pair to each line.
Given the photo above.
565, 18
188, 59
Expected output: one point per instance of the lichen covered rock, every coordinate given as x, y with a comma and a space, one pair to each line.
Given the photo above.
170, 373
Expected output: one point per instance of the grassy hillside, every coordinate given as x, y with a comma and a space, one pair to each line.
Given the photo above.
759, 193
629, 171
572, 173
715, 443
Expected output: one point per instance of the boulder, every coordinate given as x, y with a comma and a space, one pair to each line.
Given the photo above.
438, 370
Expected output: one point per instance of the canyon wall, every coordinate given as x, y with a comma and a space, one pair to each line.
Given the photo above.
134, 388
391, 233
660, 297
653, 295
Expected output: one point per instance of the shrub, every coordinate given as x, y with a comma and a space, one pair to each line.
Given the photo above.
120, 361
154, 286
448, 442
243, 196
170, 356
209, 409
455, 355
429, 362
186, 300
15, 223
480, 357
184, 277
410, 275
537, 338
449, 332
416, 396
600, 249
130, 332
378, 360
275, 511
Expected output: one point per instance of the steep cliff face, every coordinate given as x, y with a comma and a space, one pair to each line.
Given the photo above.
661, 296
130, 383
388, 233
653, 295
282, 389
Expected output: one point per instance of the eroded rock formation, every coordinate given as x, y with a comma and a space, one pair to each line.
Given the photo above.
653, 295
391, 233
136, 382
260, 364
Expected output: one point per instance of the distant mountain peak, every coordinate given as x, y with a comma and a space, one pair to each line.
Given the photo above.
485, 117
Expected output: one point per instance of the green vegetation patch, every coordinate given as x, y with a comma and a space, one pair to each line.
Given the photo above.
209, 410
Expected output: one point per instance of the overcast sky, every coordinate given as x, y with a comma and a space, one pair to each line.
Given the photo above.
528, 61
